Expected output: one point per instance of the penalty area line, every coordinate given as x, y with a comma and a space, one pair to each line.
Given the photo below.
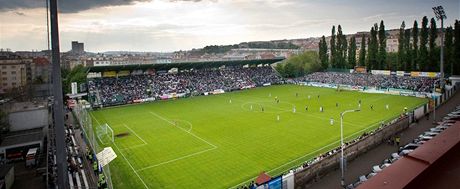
124, 157
164, 119
177, 159
135, 134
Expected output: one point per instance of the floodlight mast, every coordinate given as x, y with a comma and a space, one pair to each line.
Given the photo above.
441, 15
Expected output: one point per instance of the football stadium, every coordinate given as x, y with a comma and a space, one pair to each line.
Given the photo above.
220, 141
194, 94
220, 127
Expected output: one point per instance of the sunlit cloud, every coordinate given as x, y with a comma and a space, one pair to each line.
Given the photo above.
167, 25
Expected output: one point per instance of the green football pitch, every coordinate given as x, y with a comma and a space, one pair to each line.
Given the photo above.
222, 141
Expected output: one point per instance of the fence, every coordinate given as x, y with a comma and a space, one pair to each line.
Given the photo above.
84, 120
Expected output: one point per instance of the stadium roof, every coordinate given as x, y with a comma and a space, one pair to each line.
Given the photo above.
183, 65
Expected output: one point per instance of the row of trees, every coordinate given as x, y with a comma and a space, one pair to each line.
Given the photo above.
343, 54
299, 65
417, 50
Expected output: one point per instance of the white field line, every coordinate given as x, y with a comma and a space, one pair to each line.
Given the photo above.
187, 122
164, 119
183, 157
281, 166
125, 159
135, 172
132, 147
135, 134
177, 159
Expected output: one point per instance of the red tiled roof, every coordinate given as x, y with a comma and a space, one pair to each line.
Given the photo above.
263, 178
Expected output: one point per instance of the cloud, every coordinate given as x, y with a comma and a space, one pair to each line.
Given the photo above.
19, 13
65, 6
195, 1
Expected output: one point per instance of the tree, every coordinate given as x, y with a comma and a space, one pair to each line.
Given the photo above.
298, 65
77, 74
323, 53
344, 51
401, 47
352, 53
391, 59
433, 55
340, 48
333, 49
423, 51
414, 55
280, 69
373, 49
449, 51
457, 48
408, 51
362, 52
382, 52
368, 65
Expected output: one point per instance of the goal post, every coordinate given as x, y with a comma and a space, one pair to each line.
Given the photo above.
105, 133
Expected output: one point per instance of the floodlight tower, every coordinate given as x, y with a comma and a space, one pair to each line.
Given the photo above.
441, 15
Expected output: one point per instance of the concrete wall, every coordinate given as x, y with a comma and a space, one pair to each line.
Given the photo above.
31, 119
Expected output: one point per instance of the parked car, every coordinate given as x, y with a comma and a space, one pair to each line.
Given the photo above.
385, 165
376, 169
442, 127
410, 146
436, 130
370, 175
433, 134
405, 152
394, 157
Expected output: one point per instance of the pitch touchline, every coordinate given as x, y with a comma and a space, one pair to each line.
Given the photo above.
308, 154
124, 157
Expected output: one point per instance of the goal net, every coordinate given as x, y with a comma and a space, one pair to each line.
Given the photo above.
105, 133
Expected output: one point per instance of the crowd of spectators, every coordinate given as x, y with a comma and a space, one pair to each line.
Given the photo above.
419, 84
122, 90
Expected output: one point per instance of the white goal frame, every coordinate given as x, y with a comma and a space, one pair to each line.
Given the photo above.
108, 131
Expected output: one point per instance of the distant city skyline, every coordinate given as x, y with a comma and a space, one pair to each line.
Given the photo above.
170, 25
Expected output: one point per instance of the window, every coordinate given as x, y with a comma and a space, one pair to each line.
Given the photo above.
3, 73
13, 66
14, 84
4, 78
13, 72
3, 67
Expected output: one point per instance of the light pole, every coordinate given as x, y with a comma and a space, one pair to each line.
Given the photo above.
441, 15
342, 161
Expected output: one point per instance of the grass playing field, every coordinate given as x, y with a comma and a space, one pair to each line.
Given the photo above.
225, 140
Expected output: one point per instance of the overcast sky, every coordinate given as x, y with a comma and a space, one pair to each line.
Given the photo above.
168, 25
